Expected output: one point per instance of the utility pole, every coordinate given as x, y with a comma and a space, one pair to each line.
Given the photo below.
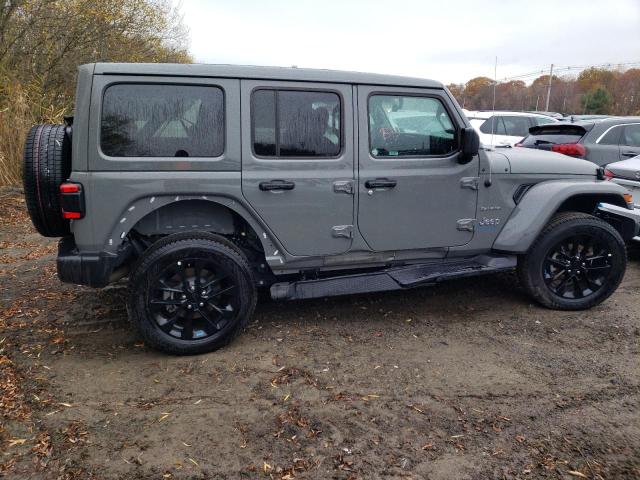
549, 88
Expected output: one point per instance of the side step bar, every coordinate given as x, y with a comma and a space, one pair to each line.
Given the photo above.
392, 278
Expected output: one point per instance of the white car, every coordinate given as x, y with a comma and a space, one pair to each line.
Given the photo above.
508, 127
627, 174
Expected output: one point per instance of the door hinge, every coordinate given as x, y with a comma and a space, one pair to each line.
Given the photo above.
469, 182
466, 224
343, 186
342, 231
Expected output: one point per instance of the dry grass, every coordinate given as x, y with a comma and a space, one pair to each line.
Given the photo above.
21, 106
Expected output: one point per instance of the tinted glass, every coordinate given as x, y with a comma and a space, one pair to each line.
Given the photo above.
264, 122
308, 124
612, 137
516, 126
403, 125
631, 136
289, 123
493, 125
148, 120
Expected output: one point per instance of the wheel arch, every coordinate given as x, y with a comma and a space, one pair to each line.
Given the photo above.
166, 214
544, 200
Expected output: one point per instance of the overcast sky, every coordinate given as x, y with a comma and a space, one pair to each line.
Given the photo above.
447, 40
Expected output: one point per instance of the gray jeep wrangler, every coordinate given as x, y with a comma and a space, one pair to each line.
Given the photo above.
205, 184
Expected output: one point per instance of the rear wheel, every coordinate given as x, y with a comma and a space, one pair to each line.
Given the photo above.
577, 262
191, 293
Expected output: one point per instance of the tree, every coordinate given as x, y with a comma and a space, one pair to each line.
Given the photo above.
42, 42
597, 101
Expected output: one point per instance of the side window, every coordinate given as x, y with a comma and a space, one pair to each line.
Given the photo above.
291, 123
612, 137
493, 125
516, 126
631, 136
409, 126
154, 120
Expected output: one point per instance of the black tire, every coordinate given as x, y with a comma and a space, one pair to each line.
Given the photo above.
576, 262
46, 164
173, 317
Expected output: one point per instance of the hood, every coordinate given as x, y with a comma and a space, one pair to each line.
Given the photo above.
626, 168
529, 160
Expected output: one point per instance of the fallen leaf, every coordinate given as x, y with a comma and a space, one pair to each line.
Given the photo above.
193, 461
577, 474
17, 441
164, 415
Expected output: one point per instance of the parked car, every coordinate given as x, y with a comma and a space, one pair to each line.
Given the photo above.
599, 141
505, 128
627, 174
203, 184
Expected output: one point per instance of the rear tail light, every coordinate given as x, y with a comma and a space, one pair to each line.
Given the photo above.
72, 200
571, 149
608, 174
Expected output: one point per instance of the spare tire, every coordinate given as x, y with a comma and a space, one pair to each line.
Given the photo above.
47, 164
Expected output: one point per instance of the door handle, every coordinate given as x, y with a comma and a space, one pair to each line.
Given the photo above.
275, 185
630, 154
380, 183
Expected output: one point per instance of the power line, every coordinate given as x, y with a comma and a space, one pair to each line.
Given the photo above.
561, 68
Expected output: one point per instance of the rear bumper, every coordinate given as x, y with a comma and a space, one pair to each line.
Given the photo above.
82, 269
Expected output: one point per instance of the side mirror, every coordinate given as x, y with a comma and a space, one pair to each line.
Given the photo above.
469, 143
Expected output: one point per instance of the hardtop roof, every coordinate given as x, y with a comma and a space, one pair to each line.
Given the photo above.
262, 73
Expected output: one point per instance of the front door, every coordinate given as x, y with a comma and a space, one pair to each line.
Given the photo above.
297, 162
413, 192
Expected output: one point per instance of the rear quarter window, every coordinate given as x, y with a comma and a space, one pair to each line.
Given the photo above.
155, 120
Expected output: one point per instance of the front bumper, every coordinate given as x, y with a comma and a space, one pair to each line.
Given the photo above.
628, 219
83, 269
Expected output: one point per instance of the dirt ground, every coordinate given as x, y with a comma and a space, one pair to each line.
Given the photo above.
467, 380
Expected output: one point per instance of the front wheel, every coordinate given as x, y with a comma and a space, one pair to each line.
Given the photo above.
191, 293
576, 262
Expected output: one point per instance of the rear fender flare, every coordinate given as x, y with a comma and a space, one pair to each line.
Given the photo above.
142, 207
540, 203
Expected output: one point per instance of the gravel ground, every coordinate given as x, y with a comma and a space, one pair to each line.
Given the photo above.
466, 380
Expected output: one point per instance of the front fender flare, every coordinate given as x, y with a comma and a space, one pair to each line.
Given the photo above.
539, 204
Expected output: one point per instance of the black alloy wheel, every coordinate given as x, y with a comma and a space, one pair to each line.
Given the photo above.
193, 299
191, 292
575, 263
577, 267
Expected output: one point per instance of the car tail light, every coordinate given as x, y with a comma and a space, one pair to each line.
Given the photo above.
72, 201
608, 174
571, 149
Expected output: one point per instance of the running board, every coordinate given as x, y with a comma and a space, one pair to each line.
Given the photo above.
393, 278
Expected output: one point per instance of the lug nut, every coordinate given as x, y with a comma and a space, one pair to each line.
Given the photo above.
204, 292
183, 296
201, 304
179, 263
189, 307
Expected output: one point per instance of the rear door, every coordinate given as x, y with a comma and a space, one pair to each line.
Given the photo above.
411, 188
630, 141
297, 162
